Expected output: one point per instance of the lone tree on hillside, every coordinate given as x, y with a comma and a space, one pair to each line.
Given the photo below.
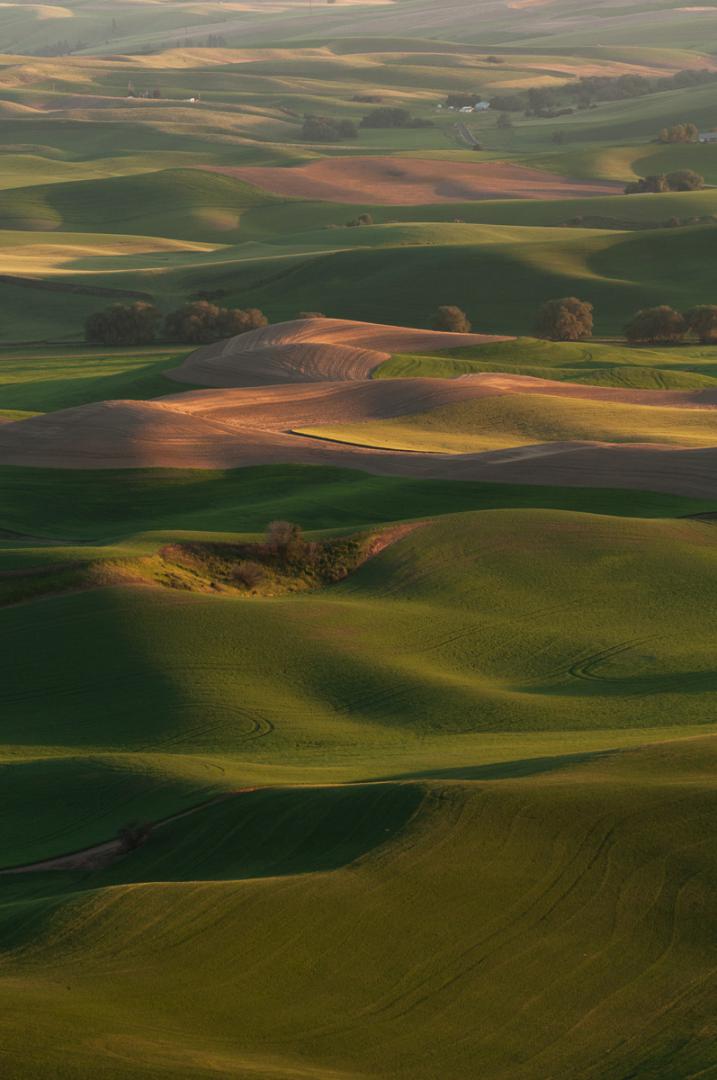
453, 319
123, 324
284, 539
702, 321
201, 322
568, 319
656, 326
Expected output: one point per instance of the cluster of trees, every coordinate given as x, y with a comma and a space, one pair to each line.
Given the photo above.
567, 319
587, 92
508, 103
198, 323
390, 117
664, 325
681, 180
601, 221
148, 92
328, 129
60, 48
459, 101
571, 319
679, 133
362, 219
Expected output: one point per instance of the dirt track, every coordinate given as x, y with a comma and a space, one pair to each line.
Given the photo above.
254, 425
399, 181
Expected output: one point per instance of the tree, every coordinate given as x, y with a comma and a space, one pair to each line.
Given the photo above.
390, 117
284, 539
311, 315
702, 321
685, 180
362, 219
248, 573
504, 122
681, 180
195, 323
567, 319
679, 133
387, 117
647, 184
656, 325
451, 318
233, 321
123, 324
507, 103
327, 129
201, 322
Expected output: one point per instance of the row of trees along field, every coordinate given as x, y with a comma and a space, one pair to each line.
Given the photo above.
197, 323
571, 319
564, 319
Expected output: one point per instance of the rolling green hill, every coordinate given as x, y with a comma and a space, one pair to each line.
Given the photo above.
385, 273
452, 815
491, 882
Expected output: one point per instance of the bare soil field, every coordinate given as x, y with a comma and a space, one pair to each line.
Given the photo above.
257, 424
129, 434
310, 350
399, 181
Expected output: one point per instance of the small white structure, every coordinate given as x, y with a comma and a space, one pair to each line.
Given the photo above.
708, 136
467, 108
481, 106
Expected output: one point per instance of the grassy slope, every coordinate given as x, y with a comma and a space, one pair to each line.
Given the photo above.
442, 653
524, 419
186, 203
450, 632
499, 274
500, 285
490, 884
591, 362
40, 380
92, 506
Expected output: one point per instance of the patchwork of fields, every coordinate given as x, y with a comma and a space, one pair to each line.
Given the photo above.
358, 691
